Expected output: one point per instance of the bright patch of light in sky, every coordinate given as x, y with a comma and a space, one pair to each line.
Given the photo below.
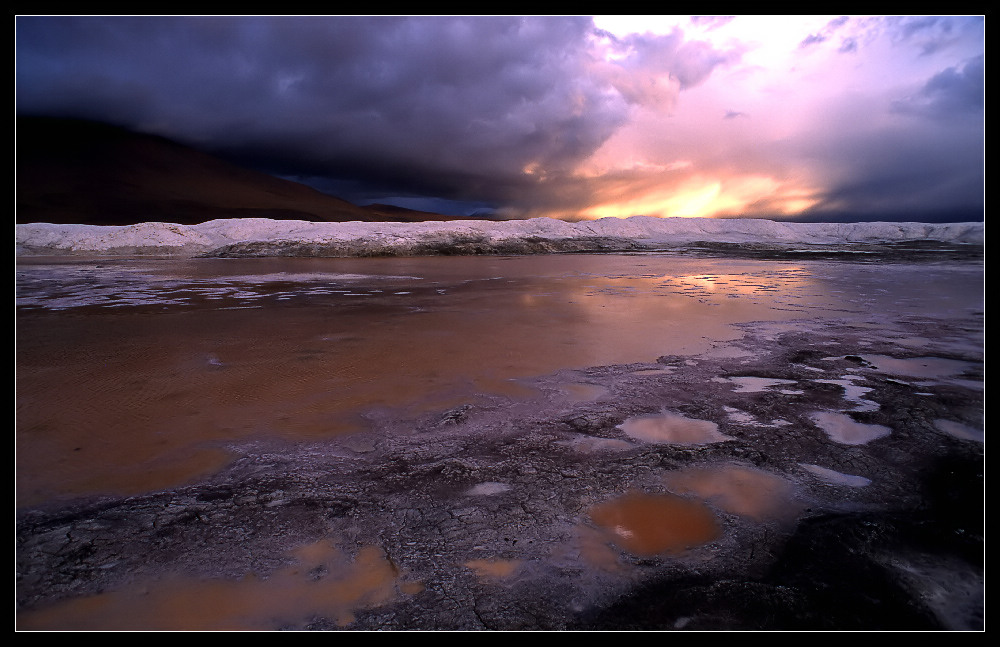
751, 134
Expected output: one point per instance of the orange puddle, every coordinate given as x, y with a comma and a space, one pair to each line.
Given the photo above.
323, 583
738, 490
494, 568
653, 524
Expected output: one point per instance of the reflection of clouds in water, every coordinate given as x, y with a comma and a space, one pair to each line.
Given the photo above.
672, 429
843, 429
738, 490
853, 392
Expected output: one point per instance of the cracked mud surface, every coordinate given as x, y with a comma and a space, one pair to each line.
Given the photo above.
485, 515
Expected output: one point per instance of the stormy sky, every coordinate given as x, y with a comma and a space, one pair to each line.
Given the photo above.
808, 118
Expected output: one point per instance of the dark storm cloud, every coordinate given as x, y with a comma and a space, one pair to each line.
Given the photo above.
454, 107
848, 45
957, 92
437, 103
921, 170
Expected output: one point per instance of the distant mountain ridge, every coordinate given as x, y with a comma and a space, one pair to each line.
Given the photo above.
72, 171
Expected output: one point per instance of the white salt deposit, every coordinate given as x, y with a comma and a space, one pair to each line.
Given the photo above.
843, 429
261, 236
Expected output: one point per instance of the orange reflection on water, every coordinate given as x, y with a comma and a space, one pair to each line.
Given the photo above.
322, 583
496, 569
674, 429
738, 490
652, 524
128, 399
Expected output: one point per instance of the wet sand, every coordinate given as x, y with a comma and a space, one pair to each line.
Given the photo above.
453, 434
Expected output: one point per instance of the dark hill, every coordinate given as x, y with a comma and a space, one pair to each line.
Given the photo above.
80, 172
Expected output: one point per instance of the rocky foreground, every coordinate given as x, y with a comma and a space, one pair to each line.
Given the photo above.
525, 514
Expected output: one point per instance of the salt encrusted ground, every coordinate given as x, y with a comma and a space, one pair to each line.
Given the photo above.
261, 237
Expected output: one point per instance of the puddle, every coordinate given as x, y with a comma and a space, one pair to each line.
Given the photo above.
672, 429
750, 384
917, 366
323, 582
494, 569
654, 524
738, 490
958, 430
834, 477
488, 488
853, 392
841, 428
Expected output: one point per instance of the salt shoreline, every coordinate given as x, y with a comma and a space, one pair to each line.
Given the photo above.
252, 237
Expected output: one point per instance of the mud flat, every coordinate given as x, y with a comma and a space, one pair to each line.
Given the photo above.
818, 465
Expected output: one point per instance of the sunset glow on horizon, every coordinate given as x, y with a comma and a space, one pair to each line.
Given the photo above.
784, 117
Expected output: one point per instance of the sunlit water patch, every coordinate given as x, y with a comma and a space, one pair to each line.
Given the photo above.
652, 524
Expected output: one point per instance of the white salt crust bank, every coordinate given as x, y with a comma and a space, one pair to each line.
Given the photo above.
250, 237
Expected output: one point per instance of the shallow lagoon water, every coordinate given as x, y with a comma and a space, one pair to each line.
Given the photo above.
133, 375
